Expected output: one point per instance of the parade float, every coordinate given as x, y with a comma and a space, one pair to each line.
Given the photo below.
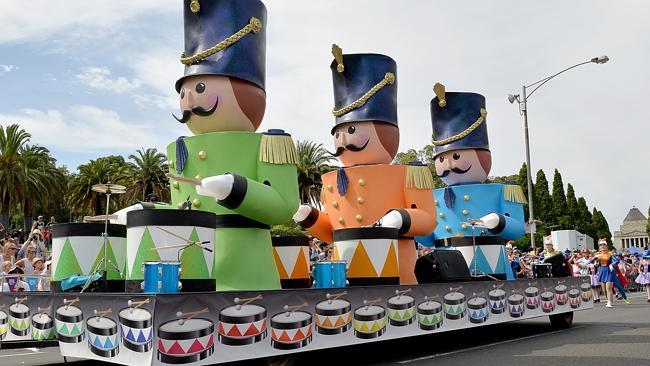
201, 281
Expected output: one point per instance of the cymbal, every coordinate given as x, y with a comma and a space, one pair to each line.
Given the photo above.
109, 188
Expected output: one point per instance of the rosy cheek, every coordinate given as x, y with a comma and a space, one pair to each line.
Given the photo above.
361, 139
465, 164
439, 169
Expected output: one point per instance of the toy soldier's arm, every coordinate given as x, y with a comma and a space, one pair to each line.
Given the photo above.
508, 220
316, 222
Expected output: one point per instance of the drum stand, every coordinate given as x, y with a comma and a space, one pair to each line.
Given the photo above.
104, 263
475, 272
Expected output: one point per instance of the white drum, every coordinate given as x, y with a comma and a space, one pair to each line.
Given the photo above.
291, 330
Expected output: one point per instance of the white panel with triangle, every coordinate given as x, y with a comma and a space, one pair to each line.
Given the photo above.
207, 234
133, 239
346, 250
288, 256
377, 250
492, 254
86, 249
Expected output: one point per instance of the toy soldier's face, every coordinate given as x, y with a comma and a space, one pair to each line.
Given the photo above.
214, 103
359, 143
463, 166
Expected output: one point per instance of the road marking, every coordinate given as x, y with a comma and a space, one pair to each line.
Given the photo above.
487, 345
20, 354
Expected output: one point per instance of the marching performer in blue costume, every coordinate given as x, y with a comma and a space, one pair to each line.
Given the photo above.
463, 162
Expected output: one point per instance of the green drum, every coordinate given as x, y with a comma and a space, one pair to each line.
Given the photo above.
42, 327
150, 231
77, 248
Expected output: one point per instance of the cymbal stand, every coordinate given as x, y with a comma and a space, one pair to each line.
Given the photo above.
476, 272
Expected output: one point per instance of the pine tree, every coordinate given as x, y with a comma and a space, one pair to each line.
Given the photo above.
583, 223
572, 206
543, 203
601, 226
560, 211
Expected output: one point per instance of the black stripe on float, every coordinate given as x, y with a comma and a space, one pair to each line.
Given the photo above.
110, 353
408, 305
176, 336
370, 335
171, 217
67, 318
42, 326
467, 241
185, 359
142, 348
87, 229
290, 241
239, 221
101, 331
288, 346
367, 318
138, 324
400, 323
228, 341
333, 331
289, 325
68, 339
242, 319
21, 315
295, 283
365, 233
430, 327
333, 312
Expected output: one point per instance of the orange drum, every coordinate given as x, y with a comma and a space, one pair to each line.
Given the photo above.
292, 260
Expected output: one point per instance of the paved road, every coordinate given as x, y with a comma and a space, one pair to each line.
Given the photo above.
599, 337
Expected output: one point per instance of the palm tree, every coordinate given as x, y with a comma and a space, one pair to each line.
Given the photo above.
82, 199
12, 139
313, 162
40, 180
147, 175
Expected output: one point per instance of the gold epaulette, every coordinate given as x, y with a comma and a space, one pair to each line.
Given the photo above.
514, 193
278, 148
419, 177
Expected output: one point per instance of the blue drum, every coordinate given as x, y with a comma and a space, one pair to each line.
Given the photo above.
152, 272
171, 272
330, 274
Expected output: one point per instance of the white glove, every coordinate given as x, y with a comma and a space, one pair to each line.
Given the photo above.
302, 213
611, 268
121, 214
391, 219
490, 220
218, 186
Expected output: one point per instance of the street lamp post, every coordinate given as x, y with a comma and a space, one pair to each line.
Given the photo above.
523, 109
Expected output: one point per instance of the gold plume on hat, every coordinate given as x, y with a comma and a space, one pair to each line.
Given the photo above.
439, 89
338, 56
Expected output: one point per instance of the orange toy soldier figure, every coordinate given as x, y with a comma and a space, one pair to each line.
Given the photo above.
372, 209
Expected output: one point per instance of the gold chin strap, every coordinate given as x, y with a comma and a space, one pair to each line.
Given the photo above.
254, 25
388, 79
467, 131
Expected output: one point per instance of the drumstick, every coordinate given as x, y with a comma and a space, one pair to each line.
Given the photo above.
137, 303
67, 302
191, 314
399, 293
174, 235
100, 218
198, 244
196, 182
43, 310
335, 296
102, 312
289, 309
371, 302
247, 300
498, 286
429, 298
455, 289
20, 300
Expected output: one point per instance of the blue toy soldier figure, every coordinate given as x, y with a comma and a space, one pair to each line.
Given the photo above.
463, 161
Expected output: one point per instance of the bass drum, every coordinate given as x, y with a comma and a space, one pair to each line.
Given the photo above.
455, 307
430, 315
401, 310
69, 323
477, 310
333, 316
291, 330
369, 321
136, 328
185, 342
19, 319
103, 339
242, 324
42, 327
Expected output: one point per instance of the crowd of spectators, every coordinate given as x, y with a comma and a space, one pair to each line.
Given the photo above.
25, 258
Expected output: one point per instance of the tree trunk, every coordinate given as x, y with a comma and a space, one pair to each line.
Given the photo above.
27, 223
4, 220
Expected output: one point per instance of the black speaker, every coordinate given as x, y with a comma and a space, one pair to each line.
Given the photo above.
559, 266
442, 266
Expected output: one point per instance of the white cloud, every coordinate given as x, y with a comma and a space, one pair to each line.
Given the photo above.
99, 78
84, 128
5, 68
158, 101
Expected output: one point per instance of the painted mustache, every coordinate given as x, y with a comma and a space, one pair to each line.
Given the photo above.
455, 170
351, 147
199, 111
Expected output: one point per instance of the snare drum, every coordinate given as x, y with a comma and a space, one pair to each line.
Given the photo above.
497, 298
548, 301
242, 324
585, 289
561, 296
369, 321
42, 327
516, 305
136, 328
291, 329
574, 298
4, 325
170, 277
103, 339
542, 270
152, 271
19, 320
333, 316
69, 324
477, 309
454, 305
429, 314
532, 297
371, 254
185, 342
401, 310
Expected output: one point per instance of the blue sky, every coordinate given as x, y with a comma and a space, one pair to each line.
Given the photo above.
94, 78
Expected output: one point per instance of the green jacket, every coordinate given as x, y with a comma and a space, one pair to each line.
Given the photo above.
265, 192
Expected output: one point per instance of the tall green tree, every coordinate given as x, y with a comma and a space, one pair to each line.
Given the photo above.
145, 175
522, 180
543, 203
12, 140
424, 155
561, 215
313, 161
600, 226
572, 205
